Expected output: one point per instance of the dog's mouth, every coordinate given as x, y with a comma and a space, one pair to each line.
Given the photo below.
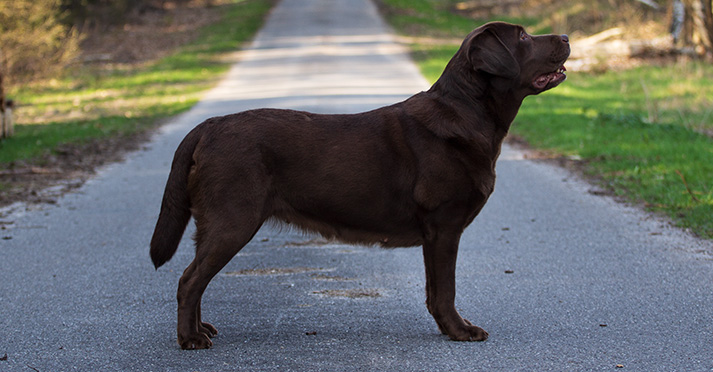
550, 79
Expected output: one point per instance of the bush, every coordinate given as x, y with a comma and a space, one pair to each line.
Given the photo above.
33, 39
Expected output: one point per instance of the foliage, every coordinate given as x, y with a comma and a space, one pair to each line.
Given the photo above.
128, 99
33, 40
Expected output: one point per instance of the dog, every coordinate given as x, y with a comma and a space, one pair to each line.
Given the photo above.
415, 173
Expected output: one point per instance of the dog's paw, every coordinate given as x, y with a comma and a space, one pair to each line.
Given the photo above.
195, 341
207, 329
468, 332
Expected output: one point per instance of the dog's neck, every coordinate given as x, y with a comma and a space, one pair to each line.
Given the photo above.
483, 97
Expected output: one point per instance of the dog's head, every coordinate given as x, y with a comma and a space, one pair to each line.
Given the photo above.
514, 59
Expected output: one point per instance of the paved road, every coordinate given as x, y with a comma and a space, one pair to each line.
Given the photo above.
563, 280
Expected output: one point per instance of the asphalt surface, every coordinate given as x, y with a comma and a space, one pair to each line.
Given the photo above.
563, 280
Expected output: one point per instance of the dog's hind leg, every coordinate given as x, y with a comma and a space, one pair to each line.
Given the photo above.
216, 244
204, 328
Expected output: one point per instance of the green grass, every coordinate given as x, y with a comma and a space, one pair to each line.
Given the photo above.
641, 132
645, 147
435, 18
92, 103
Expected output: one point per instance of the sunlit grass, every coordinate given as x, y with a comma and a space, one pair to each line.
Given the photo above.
98, 102
435, 18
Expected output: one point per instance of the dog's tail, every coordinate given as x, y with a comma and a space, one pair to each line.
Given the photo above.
176, 203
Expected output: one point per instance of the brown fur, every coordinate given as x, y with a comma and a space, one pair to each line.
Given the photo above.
414, 173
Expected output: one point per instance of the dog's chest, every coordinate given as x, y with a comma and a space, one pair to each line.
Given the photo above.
454, 182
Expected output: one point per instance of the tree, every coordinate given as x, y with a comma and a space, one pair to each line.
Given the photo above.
33, 38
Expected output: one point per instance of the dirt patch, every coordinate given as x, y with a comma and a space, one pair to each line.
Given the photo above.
45, 179
273, 271
330, 278
349, 293
149, 33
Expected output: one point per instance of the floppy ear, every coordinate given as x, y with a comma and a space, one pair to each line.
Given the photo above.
488, 53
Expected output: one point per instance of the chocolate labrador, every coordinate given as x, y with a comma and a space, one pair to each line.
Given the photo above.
414, 173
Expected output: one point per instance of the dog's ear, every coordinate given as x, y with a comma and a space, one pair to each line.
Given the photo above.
487, 52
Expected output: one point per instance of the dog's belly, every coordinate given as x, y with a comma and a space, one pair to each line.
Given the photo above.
403, 236
357, 215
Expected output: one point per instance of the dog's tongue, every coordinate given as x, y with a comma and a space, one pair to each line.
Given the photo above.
543, 80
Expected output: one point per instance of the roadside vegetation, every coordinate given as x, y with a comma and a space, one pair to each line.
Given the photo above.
117, 79
93, 101
642, 128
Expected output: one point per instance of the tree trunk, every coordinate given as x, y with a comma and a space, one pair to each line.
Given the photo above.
6, 124
698, 26
2, 94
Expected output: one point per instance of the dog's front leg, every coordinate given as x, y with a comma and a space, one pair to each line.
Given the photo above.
440, 251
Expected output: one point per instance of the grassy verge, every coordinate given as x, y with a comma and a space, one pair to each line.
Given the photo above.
93, 104
643, 132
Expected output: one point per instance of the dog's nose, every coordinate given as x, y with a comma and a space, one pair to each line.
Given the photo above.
565, 38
